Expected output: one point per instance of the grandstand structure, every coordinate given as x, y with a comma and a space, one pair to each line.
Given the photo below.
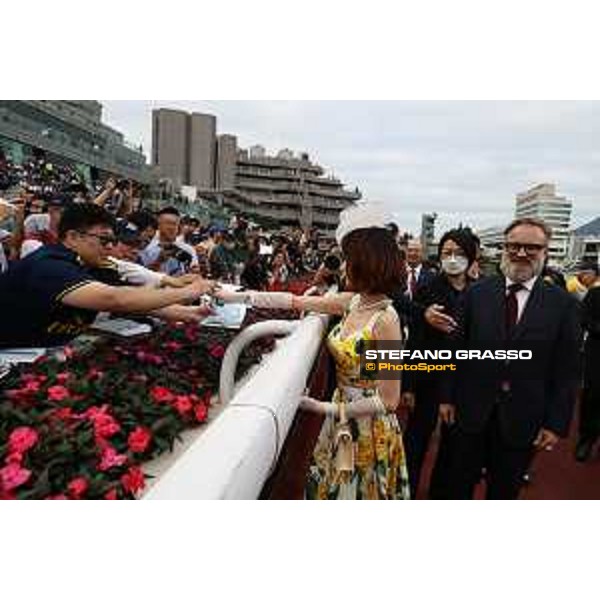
70, 132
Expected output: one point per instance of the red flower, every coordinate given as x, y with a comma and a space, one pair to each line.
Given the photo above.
31, 387
56, 497
183, 404
12, 476
14, 458
173, 346
64, 414
94, 373
201, 412
110, 458
161, 394
111, 495
57, 393
133, 480
22, 439
217, 351
62, 377
139, 439
105, 425
77, 487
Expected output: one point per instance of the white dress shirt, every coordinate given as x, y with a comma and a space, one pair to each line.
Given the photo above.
522, 295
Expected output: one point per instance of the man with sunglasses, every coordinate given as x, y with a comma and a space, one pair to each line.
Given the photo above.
51, 296
501, 416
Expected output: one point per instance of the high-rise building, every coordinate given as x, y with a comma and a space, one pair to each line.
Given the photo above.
170, 144
542, 202
287, 188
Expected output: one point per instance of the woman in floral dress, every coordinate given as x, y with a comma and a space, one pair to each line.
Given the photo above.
359, 453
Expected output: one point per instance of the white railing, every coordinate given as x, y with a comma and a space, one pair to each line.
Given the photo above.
238, 451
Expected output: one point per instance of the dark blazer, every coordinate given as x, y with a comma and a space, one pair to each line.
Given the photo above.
423, 336
542, 393
409, 310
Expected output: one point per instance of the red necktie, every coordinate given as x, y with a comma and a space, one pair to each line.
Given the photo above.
413, 282
512, 307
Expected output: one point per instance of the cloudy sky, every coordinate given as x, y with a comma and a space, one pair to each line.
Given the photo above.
463, 160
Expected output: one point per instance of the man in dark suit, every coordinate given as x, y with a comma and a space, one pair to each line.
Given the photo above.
500, 417
419, 274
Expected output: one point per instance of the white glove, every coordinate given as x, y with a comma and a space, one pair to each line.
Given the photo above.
316, 406
282, 300
230, 297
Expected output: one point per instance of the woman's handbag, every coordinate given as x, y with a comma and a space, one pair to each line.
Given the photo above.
343, 444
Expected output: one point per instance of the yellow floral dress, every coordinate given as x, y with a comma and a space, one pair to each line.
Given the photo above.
379, 462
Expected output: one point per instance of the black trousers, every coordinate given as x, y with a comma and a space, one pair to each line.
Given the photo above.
469, 453
589, 408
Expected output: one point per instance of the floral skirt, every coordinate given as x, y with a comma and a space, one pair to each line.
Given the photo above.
379, 462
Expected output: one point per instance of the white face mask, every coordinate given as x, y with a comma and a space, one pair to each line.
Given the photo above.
455, 265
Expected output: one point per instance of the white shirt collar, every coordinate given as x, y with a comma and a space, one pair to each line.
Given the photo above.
528, 285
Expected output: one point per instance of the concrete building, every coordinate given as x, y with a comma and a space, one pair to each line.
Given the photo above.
202, 150
427, 236
288, 188
584, 243
492, 239
170, 145
70, 131
542, 202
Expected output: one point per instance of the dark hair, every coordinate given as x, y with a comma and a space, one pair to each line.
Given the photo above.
532, 222
168, 210
463, 237
81, 217
332, 262
393, 228
373, 261
143, 219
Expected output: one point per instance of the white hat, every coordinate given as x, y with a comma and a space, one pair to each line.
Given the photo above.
361, 216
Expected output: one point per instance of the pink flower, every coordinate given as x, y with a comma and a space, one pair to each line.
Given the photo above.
12, 476
161, 394
133, 480
183, 404
105, 425
111, 458
57, 393
31, 387
77, 487
201, 412
14, 458
111, 495
139, 439
22, 439
56, 497
217, 351
94, 373
173, 346
68, 352
64, 414
62, 377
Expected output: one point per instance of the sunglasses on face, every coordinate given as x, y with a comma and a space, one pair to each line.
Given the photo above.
105, 240
530, 249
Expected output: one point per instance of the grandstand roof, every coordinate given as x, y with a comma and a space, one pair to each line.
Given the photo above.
591, 228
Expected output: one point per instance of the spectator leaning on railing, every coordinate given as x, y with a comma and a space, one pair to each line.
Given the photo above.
49, 297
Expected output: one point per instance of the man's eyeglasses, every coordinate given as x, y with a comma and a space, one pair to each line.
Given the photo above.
530, 249
105, 240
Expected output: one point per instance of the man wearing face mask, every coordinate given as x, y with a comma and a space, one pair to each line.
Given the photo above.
500, 420
456, 252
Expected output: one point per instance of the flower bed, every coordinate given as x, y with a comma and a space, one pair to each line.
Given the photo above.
82, 429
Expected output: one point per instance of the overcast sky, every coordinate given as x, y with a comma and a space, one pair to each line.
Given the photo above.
464, 160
